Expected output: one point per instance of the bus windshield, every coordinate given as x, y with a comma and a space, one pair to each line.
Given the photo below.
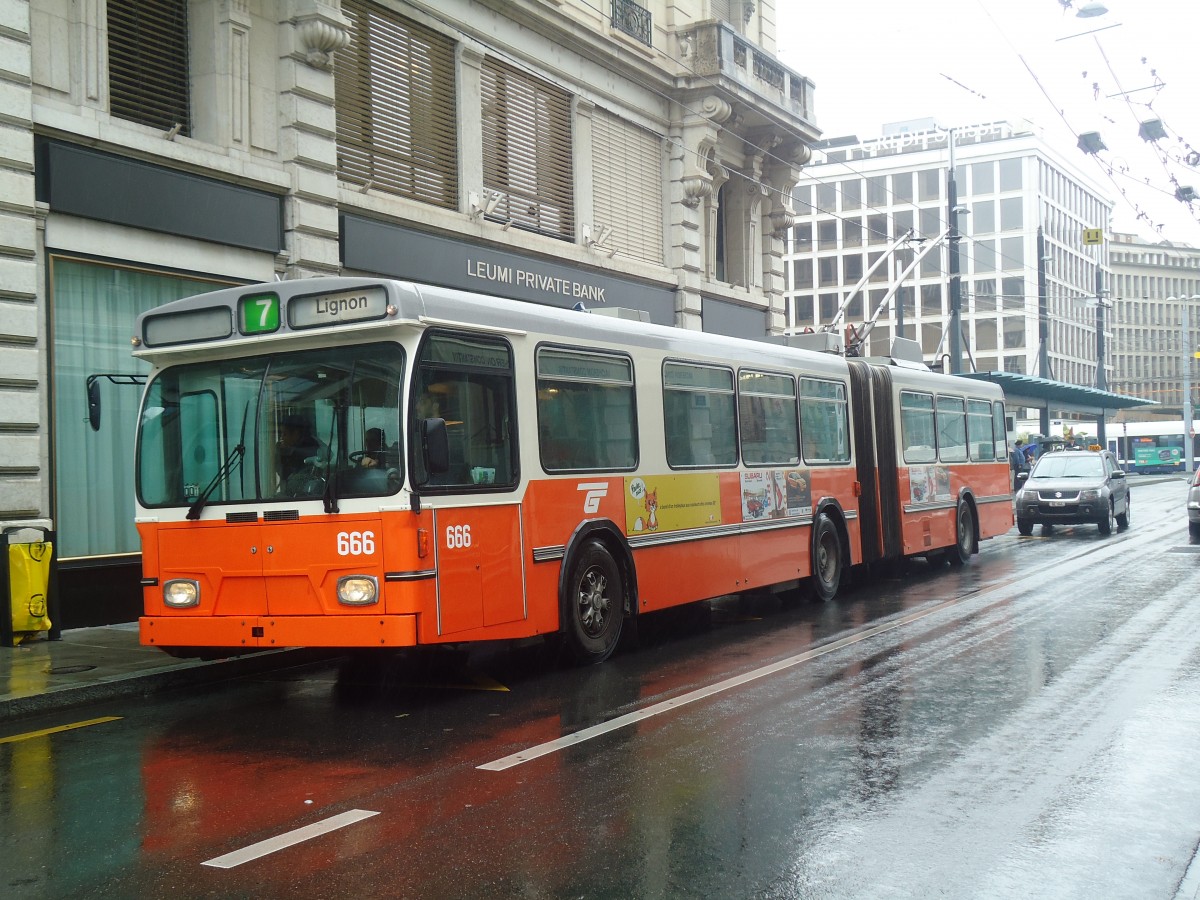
305, 425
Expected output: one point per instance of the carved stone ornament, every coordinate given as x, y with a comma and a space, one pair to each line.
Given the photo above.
782, 219
696, 188
323, 31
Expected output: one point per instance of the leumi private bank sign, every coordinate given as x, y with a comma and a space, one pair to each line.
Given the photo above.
385, 248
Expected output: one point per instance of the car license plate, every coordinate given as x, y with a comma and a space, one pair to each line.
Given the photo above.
1058, 502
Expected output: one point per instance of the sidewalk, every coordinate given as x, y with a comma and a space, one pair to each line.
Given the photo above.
91, 664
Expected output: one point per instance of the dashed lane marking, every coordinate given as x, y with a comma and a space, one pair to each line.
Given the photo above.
288, 839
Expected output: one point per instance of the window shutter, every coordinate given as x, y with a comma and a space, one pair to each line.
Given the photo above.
628, 181
527, 150
396, 122
148, 63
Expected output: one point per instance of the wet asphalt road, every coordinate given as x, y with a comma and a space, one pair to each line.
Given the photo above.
1027, 726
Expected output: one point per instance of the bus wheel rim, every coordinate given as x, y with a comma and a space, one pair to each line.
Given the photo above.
593, 602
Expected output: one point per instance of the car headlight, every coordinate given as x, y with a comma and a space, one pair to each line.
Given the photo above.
358, 590
180, 593
1089, 495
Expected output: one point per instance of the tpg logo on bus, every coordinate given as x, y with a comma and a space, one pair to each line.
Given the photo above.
595, 492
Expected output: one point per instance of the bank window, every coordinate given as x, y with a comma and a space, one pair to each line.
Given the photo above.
979, 430
148, 63
466, 380
586, 414
917, 432
396, 109
698, 406
768, 419
824, 427
952, 429
527, 153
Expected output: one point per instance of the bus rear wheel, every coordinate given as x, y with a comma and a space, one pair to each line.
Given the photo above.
964, 544
826, 559
594, 608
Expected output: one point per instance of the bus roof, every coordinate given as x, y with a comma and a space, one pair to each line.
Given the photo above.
245, 320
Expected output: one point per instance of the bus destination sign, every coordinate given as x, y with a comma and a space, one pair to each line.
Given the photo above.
338, 308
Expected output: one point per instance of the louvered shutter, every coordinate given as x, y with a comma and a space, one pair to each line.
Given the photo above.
396, 128
148, 63
627, 177
527, 150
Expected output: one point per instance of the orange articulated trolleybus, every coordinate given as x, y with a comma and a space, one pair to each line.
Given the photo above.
352, 462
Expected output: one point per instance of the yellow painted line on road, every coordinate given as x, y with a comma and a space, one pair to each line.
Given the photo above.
29, 735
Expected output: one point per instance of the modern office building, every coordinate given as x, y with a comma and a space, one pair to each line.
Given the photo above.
1153, 285
639, 154
859, 198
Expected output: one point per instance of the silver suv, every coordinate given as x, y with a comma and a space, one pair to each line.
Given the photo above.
1073, 487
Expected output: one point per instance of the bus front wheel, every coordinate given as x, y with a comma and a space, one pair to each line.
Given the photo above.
827, 559
594, 607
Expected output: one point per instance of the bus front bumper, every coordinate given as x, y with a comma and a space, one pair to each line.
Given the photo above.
265, 632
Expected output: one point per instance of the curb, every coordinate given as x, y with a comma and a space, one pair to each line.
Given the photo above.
178, 674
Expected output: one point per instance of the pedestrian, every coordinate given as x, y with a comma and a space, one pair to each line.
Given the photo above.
1017, 461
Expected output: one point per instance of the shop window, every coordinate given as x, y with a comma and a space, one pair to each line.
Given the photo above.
93, 306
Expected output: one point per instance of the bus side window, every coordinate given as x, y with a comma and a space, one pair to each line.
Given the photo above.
700, 418
917, 428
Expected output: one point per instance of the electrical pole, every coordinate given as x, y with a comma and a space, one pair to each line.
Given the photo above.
1187, 391
1043, 325
955, 277
1101, 378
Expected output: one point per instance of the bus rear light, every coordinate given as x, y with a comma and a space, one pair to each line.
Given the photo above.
422, 542
358, 590
181, 593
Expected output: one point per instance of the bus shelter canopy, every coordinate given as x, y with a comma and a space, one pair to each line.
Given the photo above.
1044, 393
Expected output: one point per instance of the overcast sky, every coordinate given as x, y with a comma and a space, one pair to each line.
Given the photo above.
964, 62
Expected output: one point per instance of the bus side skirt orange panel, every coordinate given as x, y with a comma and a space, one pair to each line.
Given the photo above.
279, 631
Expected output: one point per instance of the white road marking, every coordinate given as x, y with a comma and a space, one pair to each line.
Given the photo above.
307, 833
570, 740
1032, 577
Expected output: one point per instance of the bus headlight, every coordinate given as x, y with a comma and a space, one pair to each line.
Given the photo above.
358, 590
180, 593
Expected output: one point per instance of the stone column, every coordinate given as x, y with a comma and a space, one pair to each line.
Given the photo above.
24, 405
312, 35
693, 157
781, 171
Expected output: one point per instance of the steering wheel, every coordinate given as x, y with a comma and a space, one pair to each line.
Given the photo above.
357, 457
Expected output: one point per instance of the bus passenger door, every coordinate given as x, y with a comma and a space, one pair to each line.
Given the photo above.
479, 554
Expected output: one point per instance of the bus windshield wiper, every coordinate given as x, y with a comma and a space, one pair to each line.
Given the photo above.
222, 473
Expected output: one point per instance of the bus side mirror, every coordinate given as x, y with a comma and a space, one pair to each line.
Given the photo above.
93, 402
435, 446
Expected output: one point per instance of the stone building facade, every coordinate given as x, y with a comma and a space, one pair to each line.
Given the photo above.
152, 149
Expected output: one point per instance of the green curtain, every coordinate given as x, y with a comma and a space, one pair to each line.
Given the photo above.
94, 308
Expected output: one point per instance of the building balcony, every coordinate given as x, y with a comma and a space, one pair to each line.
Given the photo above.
715, 54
